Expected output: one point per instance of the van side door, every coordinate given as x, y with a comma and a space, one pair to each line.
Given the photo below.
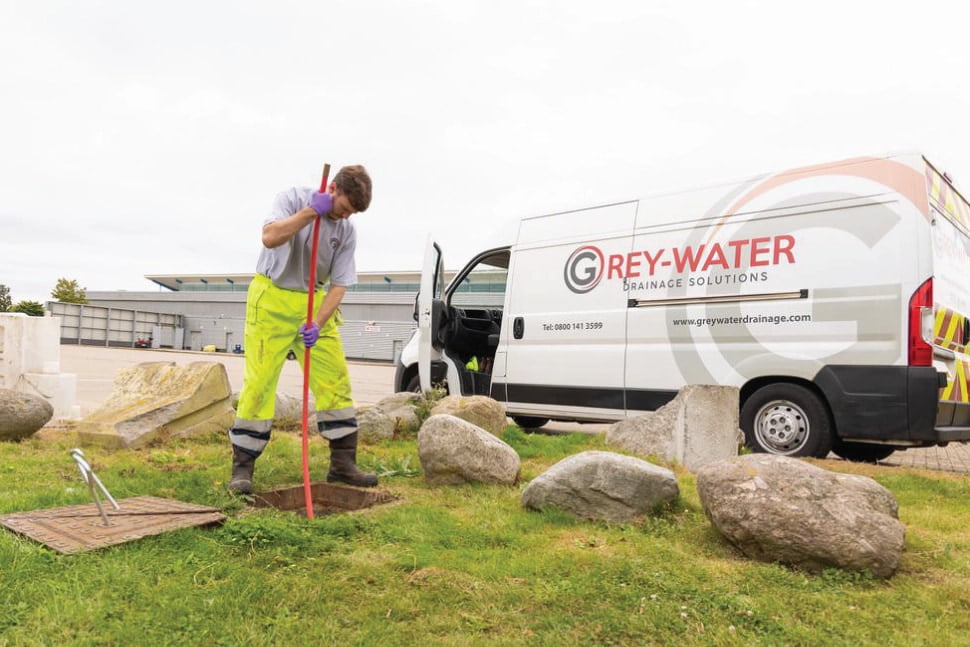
565, 319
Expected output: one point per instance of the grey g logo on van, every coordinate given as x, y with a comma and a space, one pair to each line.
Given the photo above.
873, 307
584, 269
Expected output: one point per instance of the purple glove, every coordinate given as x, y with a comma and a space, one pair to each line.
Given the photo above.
310, 335
322, 203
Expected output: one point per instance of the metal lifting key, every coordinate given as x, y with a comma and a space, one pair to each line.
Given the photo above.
92, 480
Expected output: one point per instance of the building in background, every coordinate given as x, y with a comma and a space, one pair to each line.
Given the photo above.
196, 312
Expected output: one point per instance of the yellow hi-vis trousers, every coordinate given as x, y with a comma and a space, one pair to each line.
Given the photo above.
273, 317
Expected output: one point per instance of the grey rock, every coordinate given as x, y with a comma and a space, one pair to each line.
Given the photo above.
395, 413
373, 425
697, 427
779, 509
454, 451
399, 399
479, 410
401, 408
288, 410
602, 485
22, 414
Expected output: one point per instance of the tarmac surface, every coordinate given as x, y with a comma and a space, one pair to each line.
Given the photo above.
96, 367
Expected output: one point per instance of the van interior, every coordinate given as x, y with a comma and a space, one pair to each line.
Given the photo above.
468, 324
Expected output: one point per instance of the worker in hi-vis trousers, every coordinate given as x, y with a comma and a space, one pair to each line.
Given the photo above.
276, 309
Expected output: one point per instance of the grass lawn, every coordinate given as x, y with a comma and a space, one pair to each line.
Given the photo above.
460, 565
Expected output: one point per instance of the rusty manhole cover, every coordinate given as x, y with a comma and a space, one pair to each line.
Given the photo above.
326, 498
79, 528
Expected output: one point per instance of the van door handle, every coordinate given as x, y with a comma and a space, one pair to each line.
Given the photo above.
518, 327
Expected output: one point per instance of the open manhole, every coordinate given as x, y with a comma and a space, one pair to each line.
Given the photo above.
326, 498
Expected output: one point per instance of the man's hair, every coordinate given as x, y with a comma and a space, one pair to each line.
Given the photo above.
354, 182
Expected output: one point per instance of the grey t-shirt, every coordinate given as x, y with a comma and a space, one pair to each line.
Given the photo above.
288, 265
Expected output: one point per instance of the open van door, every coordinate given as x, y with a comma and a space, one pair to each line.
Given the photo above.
430, 308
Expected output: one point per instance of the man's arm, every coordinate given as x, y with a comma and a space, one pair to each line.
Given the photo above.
330, 304
281, 231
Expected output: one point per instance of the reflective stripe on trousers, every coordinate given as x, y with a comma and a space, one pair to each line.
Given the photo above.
273, 316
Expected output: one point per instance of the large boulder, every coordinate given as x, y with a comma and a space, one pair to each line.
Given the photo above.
480, 410
454, 451
401, 408
288, 411
602, 485
155, 401
698, 426
393, 414
22, 414
779, 509
373, 425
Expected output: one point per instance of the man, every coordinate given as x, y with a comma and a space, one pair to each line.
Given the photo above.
276, 307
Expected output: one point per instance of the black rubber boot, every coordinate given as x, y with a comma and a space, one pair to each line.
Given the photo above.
241, 481
343, 463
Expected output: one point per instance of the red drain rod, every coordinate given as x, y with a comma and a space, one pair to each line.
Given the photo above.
308, 498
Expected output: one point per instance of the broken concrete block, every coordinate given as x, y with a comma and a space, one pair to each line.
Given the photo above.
155, 401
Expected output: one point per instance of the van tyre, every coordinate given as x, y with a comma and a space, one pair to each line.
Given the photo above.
529, 422
787, 419
414, 384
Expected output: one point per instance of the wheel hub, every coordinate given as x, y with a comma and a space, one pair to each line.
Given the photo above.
781, 427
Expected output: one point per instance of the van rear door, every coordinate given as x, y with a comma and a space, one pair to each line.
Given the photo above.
950, 215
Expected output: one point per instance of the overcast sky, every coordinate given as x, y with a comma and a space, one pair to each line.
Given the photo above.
149, 138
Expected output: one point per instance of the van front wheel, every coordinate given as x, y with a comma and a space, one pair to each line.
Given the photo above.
786, 419
414, 385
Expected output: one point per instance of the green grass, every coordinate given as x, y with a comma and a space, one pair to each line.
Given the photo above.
451, 565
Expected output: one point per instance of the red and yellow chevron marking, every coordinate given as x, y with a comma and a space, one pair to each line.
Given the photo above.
948, 329
956, 390
947, 200
948, 333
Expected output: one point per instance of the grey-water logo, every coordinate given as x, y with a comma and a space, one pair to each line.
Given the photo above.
584, 269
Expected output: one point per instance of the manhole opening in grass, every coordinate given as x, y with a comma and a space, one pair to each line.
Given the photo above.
327, 499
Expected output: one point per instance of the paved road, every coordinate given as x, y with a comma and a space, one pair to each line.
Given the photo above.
96, 367
955, 457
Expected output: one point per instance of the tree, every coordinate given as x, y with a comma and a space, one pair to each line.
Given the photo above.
5, 300
32, 308
68, 291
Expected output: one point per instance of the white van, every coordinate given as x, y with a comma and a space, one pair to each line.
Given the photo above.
834, 297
